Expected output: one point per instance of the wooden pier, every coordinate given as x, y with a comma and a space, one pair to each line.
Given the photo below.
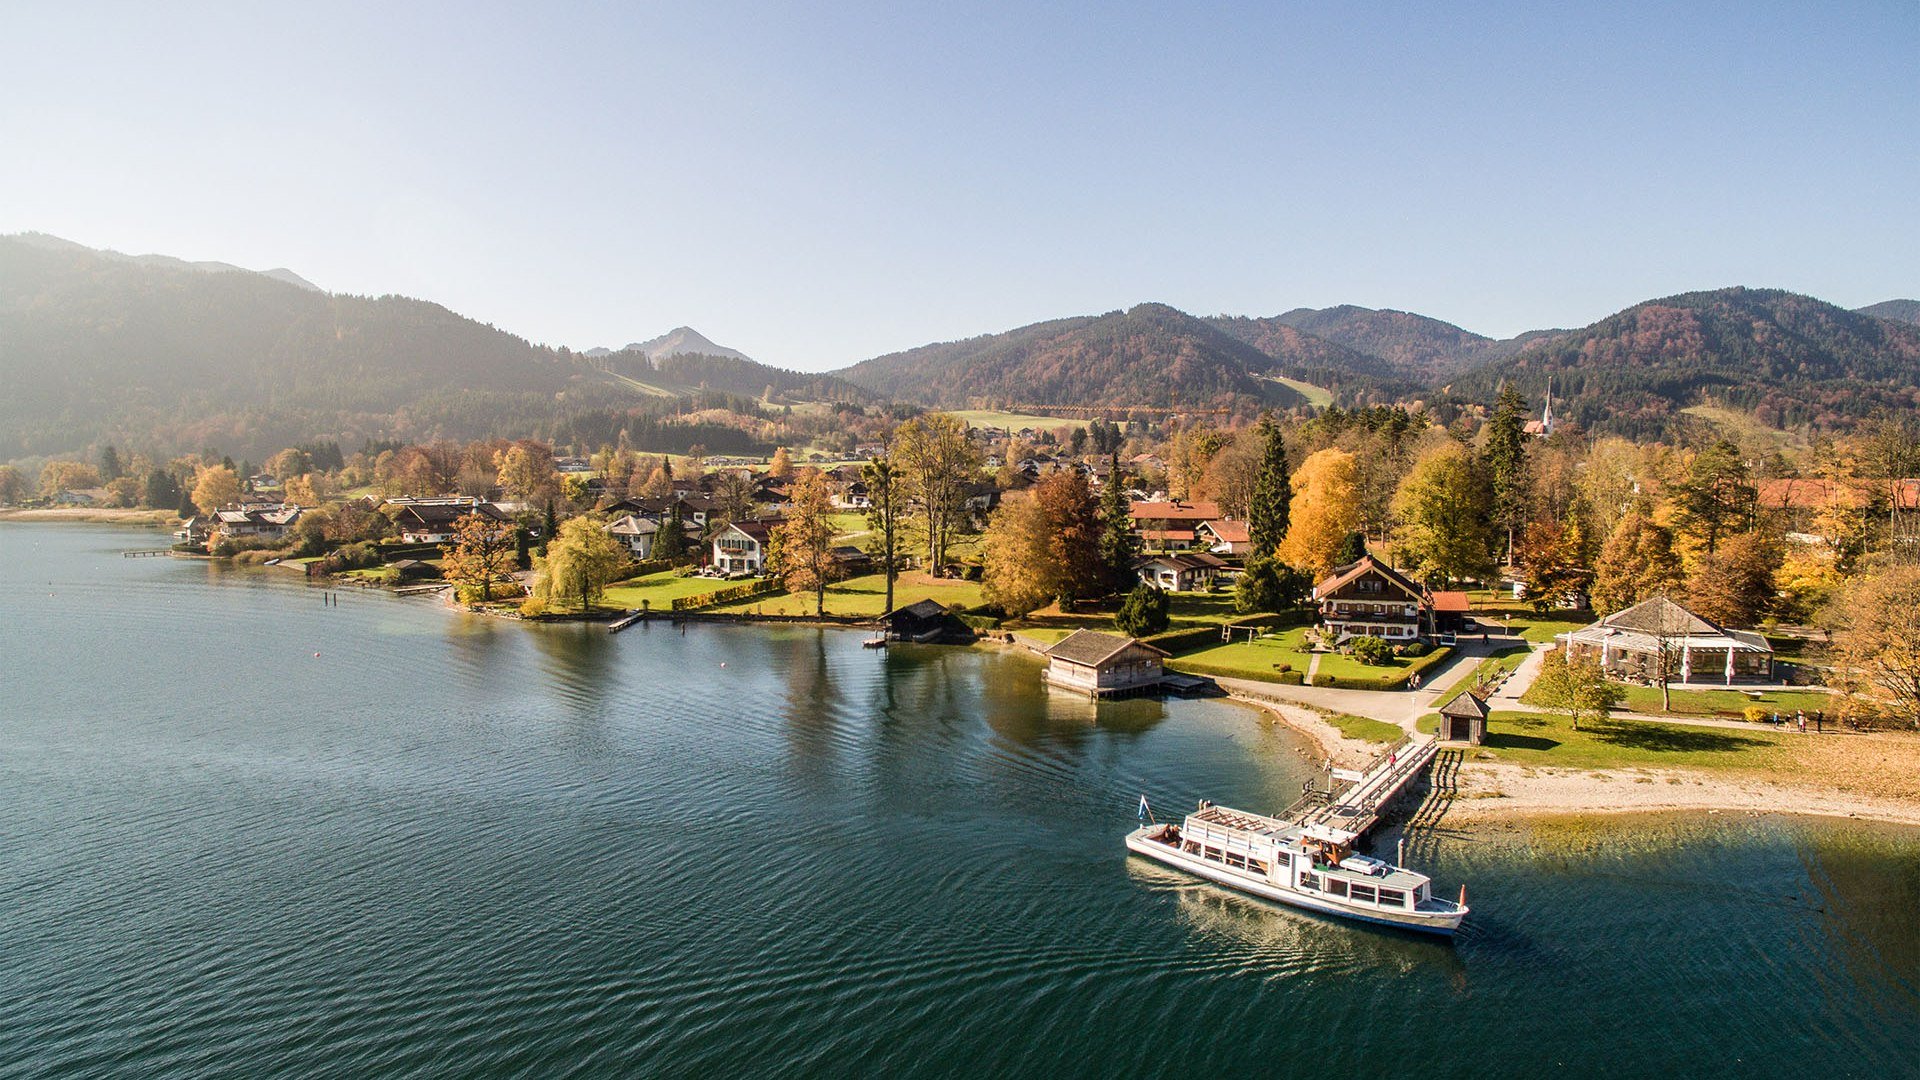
146, 553
1356, 807
625, 621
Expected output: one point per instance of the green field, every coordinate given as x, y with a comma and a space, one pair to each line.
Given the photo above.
658, 590
1523, 620
863, 596
1258, 659
984, 418
1527, 739
1317, 396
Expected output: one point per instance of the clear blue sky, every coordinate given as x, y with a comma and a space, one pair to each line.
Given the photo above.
817, 183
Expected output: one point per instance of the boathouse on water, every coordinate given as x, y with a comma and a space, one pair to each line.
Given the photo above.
1103, 665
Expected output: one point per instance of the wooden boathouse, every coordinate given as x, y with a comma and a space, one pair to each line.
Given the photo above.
1104, 665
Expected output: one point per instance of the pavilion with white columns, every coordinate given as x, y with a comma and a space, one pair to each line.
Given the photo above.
1637, 642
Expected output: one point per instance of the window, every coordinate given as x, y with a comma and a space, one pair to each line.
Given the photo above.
1337, 886
1393, 898
1256, 866
1235, 859
1361, 892
1211, 853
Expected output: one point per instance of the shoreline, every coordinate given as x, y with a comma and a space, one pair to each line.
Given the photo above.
91, 515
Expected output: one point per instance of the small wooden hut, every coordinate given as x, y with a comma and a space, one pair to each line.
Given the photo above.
1464, 719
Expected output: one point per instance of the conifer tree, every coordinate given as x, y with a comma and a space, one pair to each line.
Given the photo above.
1267, 511
1119, 545
1506, 459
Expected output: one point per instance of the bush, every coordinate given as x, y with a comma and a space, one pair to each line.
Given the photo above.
532, 607
1324, 680
1756, 714
1179, 641
748, 591
1283, 667
1415, 648
980, 622
1371, 650
1290, 678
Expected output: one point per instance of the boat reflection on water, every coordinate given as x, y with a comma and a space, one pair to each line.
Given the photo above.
1288, 941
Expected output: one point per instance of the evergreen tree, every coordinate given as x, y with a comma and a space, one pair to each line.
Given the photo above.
883, 519
109, 464
1119, 545
1505, 456
1352, 550
670, 542
1144, 612
1267, 511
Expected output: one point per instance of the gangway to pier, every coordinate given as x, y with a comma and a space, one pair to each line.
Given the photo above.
1357, 808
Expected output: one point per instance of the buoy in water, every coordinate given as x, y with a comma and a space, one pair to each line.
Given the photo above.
723, 663
316, 654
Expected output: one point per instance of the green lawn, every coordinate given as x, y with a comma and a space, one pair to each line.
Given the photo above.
1527, 739
658, 590
1190, 609
1369, 730
1728, 703
1257, 659
863, 596
1523, 620
847, 525
1350, 671
1317, 396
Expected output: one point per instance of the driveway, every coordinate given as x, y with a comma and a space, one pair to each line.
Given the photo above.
1399, 707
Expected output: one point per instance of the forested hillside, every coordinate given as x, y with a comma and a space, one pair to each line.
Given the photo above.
1151, 355
96, 347
1789, 358
1907, 311
1382, 344
687, 372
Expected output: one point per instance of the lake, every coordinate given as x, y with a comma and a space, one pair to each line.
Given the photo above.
247, 833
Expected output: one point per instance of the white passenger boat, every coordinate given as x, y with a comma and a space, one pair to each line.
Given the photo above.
1308, 866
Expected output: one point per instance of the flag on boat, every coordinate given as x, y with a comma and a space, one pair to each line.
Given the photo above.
1144, 808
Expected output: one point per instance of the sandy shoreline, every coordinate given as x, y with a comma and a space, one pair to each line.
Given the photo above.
94, 515
1488, 791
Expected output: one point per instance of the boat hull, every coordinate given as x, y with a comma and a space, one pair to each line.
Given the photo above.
1440, 923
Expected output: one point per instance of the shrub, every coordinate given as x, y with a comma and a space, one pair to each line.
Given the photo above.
1415, 648
1371, 650
532, 607
1325, 680
1283, 667
1756, 714
1290, 678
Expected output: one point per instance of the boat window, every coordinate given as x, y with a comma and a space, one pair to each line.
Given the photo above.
1236, 859
1283, 859
1190, 847
1337, 886
1393, 898
1213, 853
1362, 892
1256, 866
1308, 881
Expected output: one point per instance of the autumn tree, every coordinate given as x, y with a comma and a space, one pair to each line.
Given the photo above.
480, 554
1015, 552
58, 476
12, 485
1554, 561
803, 545
938, 466
1636, 563
1323, 511
1734, 586
1875, 653
1505, 455
733, 495
580, 560
1443, 507
1267, 510
215, 487
1576, 688
525, 473
883, 518
1073, 541
1119, 544
288, 464
782, 466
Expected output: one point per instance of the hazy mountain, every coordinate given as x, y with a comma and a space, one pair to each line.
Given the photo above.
55, 243
679, 340
1152, 356
1791, 359
1907, 311
94, 345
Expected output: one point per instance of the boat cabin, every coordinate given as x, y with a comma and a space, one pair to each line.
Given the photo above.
1313, 859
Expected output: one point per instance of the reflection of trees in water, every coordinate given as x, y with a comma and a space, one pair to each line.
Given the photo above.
1868, 878
814, 722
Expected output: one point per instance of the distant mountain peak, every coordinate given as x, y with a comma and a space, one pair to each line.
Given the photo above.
684, 340
1907, 311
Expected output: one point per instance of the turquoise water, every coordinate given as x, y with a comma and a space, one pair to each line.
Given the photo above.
455, 846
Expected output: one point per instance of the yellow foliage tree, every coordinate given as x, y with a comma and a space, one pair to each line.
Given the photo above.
803, 547
1324, 511
782, 466
215, 487
1017, 551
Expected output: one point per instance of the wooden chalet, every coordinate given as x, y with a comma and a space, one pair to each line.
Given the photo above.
1172, 525
1369, 597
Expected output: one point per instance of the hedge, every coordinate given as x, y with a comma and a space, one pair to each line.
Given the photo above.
641, 568
980, 622
752, 590
1419, 666
1190, 667
1179, 641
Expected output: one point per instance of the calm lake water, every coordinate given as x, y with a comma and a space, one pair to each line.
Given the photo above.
455, 846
